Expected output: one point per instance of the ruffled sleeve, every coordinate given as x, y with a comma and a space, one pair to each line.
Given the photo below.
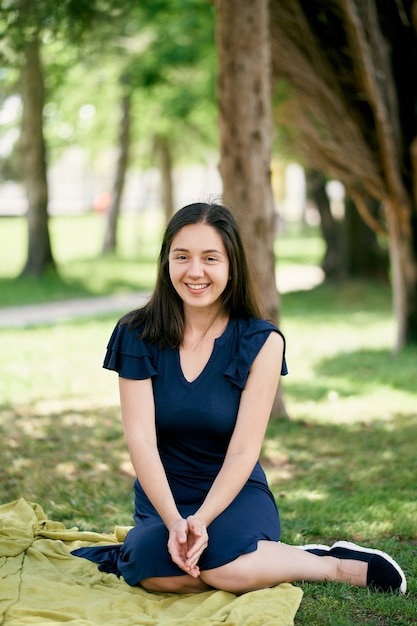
250, 337
128, 355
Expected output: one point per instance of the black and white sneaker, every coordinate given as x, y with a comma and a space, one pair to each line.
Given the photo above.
384, 574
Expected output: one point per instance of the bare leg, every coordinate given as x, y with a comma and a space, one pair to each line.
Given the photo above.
175, 584
274, 563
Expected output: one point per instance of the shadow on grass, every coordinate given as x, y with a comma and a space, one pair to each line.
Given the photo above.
330, 480
329, 299
339, 480
373, 366
74, 462
355, 372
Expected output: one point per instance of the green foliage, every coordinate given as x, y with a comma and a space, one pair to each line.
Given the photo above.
163, 51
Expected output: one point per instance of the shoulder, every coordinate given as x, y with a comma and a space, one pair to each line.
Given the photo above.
254, 327
128, 354
250, 337
126, 338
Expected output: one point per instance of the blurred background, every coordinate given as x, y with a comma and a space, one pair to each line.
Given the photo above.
301, 116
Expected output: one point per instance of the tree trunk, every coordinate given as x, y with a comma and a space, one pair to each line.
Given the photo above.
364, 257
163, 150
39, 255
332, 263
110, 237
244, 93
404, 277
352, 249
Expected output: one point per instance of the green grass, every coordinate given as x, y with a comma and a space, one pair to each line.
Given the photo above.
343, 465
300, 248
81, 269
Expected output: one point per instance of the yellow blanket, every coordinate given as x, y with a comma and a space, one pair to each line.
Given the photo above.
42, 583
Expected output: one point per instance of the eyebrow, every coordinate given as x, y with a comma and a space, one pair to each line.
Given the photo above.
203, 251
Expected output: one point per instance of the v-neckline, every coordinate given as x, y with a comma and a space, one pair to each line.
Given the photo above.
218, 341
201, 373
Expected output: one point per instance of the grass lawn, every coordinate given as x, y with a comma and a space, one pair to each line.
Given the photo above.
81, 269
343, 465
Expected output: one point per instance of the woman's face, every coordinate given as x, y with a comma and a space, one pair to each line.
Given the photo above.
199, 266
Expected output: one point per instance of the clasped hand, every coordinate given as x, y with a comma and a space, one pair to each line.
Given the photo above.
188, 538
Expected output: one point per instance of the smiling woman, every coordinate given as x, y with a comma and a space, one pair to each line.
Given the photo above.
198, 372
199, 268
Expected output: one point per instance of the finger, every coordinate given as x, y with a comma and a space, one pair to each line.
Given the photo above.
194, 558
194, 571
195, 553
191, 569
198, 547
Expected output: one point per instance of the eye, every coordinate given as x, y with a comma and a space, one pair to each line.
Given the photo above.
181, 257
211, 259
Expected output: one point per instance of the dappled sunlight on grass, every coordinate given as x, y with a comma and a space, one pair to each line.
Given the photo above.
67, 457
346, 480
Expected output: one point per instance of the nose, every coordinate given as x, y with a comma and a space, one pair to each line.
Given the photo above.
196, 269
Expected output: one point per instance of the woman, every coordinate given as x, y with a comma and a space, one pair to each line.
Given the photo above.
198, 372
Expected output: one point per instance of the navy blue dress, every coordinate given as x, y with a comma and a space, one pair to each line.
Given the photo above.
194, 423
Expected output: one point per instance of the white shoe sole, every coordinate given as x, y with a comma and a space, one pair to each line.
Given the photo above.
313, 546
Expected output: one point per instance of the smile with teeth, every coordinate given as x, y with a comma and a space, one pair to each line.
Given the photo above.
197, 287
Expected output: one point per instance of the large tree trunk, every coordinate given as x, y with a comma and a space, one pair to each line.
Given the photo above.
110, 237
39, 255
244, 93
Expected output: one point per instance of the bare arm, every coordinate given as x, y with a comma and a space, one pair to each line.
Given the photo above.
138, 417
246, 442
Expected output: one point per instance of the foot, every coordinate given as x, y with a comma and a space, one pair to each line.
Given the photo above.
384, 574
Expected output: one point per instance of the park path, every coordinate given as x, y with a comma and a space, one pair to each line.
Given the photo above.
290, 278
66, 310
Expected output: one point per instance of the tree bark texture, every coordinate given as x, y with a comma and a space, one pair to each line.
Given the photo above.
246, 132
245, 125
39, 254
352, 111
110, 237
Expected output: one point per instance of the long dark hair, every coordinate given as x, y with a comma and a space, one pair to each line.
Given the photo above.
162, 318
